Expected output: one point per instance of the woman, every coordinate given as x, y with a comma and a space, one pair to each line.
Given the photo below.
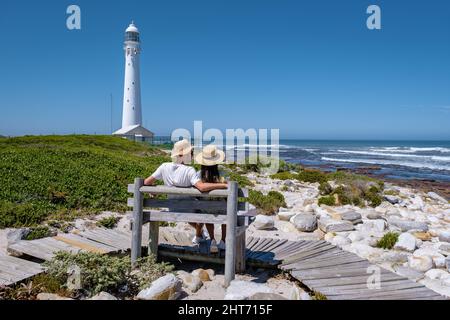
209, 159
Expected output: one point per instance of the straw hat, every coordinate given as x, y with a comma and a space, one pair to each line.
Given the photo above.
181, 148
210, 156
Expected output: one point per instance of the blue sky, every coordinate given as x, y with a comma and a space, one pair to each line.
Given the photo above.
310, 68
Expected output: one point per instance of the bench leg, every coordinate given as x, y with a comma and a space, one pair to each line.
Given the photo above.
240, 252
153, 236
136, 237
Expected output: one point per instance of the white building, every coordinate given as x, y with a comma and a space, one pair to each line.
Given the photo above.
132, 109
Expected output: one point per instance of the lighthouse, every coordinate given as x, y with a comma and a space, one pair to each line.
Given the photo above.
132, 109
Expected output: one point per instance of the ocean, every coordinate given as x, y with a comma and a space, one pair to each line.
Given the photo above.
425, 160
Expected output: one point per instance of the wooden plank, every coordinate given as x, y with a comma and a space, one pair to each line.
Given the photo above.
346, 280
183, 217
189, 205
231, 222
85, 244
153, 236
136, 237
336, 262
184, 191
303, 256
118, 243
31, 249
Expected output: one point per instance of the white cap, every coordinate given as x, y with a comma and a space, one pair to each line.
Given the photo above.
132, 28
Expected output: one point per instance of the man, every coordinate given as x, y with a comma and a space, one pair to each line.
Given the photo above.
178, 174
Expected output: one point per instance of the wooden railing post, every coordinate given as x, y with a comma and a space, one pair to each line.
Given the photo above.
138, 201
230, 241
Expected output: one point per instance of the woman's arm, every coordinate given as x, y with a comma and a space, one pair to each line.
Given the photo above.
206, 187
149, 181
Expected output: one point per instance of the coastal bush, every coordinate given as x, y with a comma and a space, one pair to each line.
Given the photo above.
62, 177
98, 272
242, 180
309, 175
106, 273
108, 222
38, 232
267, 204
285, 175
327, 200
388, 240
325, 188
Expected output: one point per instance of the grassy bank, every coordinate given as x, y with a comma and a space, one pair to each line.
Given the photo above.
60, 177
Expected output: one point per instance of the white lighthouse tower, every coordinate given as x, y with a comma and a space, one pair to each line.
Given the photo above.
132, 110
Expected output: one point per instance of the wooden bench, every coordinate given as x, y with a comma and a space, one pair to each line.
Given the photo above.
221, 207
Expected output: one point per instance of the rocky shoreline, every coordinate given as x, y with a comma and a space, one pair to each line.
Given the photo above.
421, 221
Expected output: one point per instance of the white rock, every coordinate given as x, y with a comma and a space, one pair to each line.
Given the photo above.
340, 241
406, 225
286, 215
50, 296
263, 222
191, 282
304, 222
391, 199
331, 225
435, 196
352, 216
437, 274
165, 288
444, 236
355, 236
406, 242
103, 296
420, 263
242, 290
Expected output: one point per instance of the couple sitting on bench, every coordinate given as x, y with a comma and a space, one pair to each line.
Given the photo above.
178, 173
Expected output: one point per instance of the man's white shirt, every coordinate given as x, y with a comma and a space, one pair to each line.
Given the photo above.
176, 175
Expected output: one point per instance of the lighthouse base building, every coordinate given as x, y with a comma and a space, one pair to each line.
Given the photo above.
132, 128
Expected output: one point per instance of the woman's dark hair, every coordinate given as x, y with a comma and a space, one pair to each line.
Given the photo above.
210, 174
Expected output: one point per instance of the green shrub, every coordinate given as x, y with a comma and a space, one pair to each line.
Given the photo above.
285, 175
242, 181
38, 233
391, 192
98, 272
267, 204
312, 176
325, 188
388, 240
67, 176
327, 200
108, 222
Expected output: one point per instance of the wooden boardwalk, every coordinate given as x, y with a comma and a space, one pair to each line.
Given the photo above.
337, 274
319, 265
13, 270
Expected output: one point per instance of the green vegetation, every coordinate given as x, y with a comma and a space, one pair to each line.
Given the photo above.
388, 240
38, 232
327, 200
391, 192
242, 180
316, 295
62, 177
267, 204
106, 273
308, 175
284, 175
108, 222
